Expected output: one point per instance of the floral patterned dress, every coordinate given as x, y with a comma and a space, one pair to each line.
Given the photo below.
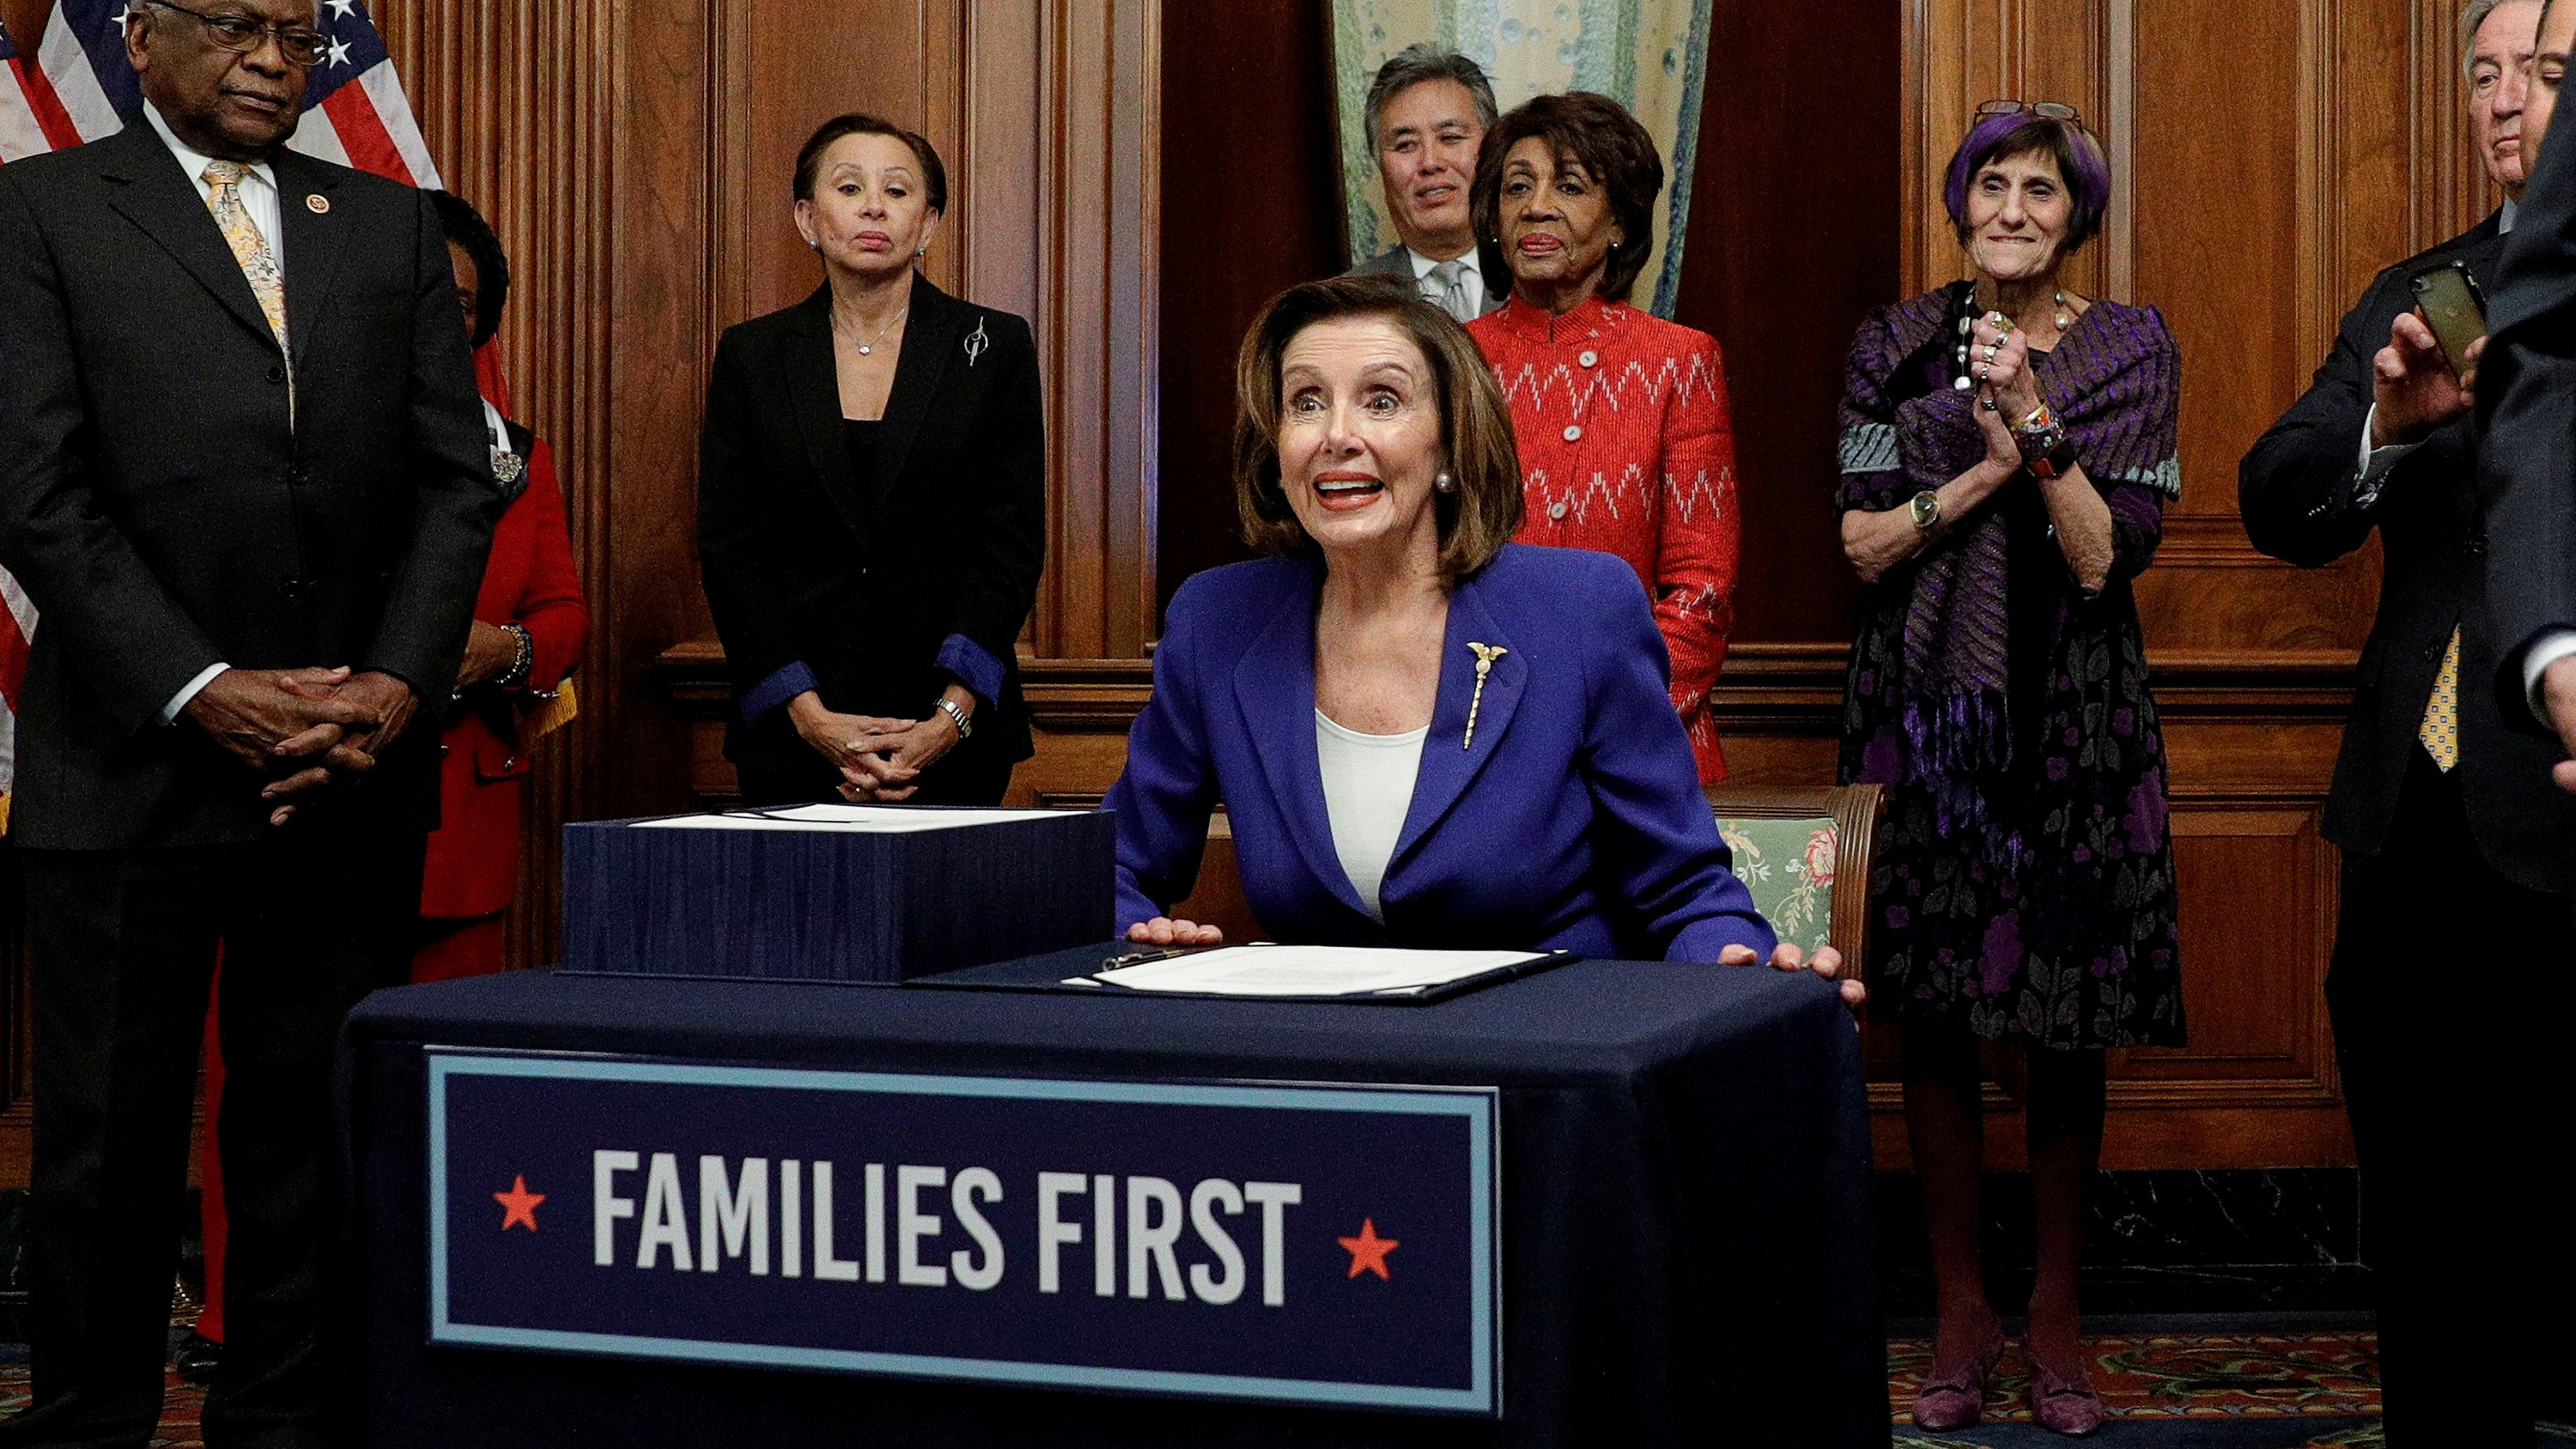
2024, 880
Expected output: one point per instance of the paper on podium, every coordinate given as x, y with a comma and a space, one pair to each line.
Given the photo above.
849, 819
1262, 970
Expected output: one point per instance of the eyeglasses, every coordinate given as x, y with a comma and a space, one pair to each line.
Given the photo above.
242, 35
2045, 110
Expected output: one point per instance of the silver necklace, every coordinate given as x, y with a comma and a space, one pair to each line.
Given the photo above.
870, 346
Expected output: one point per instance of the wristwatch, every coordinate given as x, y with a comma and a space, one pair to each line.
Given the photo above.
958, 717
1927, 510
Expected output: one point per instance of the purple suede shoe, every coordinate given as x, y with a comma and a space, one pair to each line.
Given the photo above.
2063, 1406
1957, 1399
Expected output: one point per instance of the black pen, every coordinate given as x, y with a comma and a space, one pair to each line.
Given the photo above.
1140, 958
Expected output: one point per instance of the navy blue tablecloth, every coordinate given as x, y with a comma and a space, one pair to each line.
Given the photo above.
1688, 1236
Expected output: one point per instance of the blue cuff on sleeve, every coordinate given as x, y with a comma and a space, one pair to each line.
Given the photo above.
790, 681
974, 667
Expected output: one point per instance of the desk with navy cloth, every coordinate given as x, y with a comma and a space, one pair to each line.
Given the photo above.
1687, 1249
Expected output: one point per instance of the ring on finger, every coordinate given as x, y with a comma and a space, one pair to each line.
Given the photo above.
1987, 403
1981, 372
1991, 349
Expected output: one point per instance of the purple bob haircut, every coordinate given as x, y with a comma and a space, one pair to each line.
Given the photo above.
2080, 164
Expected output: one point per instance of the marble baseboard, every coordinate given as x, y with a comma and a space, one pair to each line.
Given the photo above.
2239, 1240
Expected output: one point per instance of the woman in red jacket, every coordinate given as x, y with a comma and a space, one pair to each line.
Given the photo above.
1620, 416
529, 627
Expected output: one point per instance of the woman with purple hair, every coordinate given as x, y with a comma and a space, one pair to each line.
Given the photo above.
2007, 449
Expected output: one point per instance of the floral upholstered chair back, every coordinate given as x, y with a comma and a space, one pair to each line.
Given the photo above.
1794, 850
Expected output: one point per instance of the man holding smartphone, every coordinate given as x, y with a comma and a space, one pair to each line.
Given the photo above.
2444, 836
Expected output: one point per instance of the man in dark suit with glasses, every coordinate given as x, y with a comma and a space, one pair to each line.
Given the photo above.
243, 476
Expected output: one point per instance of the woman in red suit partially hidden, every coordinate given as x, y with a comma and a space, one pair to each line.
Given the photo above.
1620, 416
529, 628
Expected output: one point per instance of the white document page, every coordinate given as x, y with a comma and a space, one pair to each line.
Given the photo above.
848, 819
1309, 970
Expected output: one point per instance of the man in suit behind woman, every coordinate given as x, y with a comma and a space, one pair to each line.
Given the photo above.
1427, 114
242, 473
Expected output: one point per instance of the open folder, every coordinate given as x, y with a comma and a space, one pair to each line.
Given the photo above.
1315, 973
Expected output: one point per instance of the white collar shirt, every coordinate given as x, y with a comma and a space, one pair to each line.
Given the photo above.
1473, 275
258, 188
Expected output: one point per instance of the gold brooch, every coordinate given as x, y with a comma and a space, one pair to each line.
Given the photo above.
1486, 654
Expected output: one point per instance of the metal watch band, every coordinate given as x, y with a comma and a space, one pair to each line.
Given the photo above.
956, 716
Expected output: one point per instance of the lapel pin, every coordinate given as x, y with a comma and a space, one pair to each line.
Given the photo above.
318, 204
976, 342
1486, 654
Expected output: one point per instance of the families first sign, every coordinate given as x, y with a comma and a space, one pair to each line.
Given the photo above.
1307, 1244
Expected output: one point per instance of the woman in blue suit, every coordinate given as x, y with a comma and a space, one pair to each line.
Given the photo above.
1424, 735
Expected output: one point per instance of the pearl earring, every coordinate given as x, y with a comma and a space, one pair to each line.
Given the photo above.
1445, 483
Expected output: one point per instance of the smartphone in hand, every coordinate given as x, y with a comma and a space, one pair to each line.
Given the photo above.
2454, 307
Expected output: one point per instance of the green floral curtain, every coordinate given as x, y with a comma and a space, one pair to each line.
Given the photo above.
1649, 55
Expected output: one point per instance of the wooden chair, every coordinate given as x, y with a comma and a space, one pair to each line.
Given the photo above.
1784, 835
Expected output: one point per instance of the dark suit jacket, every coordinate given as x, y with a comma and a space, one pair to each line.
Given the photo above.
2527, 393
1397, 262
864, 590
2296, 494
1574, 822
165, 516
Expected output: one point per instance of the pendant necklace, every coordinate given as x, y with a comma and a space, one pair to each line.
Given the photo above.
870, 346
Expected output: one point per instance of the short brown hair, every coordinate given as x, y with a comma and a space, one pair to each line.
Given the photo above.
809, 161
1596, 133
1475, 423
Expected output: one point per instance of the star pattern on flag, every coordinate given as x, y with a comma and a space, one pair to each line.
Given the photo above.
340, 8
339, 52
1368, 1251
519, 1205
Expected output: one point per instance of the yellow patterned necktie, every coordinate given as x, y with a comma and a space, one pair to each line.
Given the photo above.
2440, 731
250, 249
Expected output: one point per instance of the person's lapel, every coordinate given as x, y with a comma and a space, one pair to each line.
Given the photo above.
1451, 760
1274, 686
315, 236
153, 192
932, 338
814, 394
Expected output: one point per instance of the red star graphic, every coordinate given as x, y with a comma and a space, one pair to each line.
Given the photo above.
519, 1205
1368, 1251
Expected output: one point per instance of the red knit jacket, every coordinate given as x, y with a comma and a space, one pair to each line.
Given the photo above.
1625, 448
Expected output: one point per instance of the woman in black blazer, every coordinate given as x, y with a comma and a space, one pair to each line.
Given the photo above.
872, 504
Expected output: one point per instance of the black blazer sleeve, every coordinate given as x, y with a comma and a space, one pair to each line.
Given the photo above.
137, 646
2296, 488
1007, 546
741, 593
421, 637
2528, 388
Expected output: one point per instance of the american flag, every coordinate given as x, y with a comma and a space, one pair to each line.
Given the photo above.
80, 88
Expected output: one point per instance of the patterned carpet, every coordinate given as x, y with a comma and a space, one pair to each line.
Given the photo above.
2165, 1391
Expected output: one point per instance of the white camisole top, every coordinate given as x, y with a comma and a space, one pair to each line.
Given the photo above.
1368, 787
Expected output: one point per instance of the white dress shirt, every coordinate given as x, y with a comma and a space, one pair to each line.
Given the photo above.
1471, 272
1368, 788
258, 193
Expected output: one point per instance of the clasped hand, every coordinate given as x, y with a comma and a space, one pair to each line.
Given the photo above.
2005, 393
317, 726
1827, 962
880, 758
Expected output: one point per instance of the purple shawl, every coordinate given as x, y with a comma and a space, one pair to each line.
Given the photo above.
2114, 378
